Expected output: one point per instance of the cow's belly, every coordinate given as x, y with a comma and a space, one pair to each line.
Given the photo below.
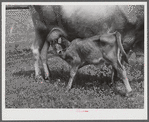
88, 13
86, 21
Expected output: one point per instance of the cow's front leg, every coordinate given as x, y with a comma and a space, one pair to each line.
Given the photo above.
44, 60
73, 72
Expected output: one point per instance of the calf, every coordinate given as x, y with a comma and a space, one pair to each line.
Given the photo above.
96, 50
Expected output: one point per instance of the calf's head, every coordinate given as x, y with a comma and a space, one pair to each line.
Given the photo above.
61, 45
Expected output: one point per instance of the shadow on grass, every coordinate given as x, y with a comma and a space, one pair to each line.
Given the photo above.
81, 79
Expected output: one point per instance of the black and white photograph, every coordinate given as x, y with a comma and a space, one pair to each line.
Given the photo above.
74, 60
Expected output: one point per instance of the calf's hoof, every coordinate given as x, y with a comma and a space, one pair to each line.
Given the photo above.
67, 89
129, 94
110, 84
47, 78
126, 94
39, 78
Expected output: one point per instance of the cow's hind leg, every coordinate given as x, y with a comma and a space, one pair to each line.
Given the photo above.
44, 60
36, 49
41, 32
36, 54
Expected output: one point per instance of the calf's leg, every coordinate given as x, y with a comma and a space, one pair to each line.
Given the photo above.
123, 76
125, 80
115, 62
75, 63
73, 72
114, 76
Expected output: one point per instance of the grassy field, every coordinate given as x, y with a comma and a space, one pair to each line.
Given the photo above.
90, 89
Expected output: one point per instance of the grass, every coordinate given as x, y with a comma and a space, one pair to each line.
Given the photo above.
90, 89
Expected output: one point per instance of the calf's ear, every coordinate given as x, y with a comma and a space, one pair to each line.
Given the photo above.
66, 42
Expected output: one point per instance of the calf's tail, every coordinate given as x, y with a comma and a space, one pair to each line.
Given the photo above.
124, 55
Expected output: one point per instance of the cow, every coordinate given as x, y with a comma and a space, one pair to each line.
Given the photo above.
96, 50
82, 22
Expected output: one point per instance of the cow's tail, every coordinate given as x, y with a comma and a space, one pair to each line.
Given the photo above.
124, 55
31, 9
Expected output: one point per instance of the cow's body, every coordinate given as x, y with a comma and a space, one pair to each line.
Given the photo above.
96, 50
83, 22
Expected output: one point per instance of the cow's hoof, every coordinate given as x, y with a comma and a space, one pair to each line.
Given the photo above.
39, 78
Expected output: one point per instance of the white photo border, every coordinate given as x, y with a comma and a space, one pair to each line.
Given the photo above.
73, 114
